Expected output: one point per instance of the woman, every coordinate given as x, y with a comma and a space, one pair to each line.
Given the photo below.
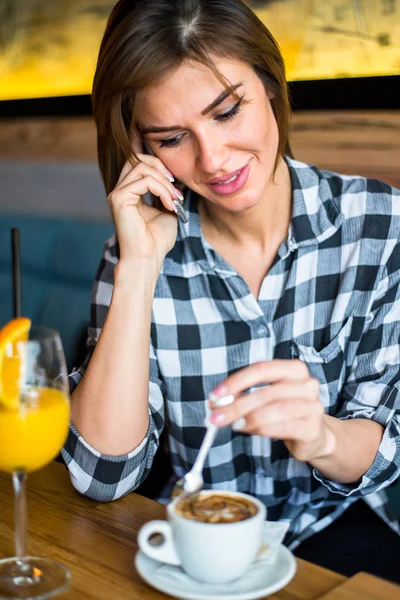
284, 282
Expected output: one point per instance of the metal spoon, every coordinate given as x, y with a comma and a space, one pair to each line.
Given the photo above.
192, 482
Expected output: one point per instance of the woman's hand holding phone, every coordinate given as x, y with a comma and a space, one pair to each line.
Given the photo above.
144, 233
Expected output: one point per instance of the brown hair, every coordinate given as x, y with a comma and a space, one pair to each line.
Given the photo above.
145, 39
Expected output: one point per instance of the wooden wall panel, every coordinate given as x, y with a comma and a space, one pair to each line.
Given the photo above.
350, 142
48, 139
365, 143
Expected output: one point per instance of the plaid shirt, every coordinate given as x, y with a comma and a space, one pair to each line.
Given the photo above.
331, 298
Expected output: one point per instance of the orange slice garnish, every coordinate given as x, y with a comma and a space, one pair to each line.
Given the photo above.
11, 334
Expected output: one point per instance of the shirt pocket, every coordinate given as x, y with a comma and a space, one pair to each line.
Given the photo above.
327, 365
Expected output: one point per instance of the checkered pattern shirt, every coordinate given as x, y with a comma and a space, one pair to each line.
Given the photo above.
331, 298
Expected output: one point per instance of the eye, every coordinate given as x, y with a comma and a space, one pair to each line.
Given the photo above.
223, 117
231, 113
170, 142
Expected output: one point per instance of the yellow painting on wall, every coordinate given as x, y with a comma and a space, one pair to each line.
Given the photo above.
49, 47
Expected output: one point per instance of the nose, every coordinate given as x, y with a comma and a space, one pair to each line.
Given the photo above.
212, 153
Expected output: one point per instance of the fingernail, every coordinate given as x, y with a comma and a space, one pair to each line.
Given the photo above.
169, 175
239, 424
218, 391
180, 211
179, 194
219, 401
218, 419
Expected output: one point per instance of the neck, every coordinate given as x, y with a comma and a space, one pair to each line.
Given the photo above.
258, 226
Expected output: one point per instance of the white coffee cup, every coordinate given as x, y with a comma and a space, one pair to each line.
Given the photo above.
211, 552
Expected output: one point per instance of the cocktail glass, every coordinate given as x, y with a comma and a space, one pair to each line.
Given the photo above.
33, 428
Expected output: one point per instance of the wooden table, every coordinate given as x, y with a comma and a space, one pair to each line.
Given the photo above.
364, 586
97, 542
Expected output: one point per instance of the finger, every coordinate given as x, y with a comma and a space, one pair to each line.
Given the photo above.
155, 162
262, 372
143, 170
282, 410
277, 397
131, 194
301, 430
128, 166
246, 403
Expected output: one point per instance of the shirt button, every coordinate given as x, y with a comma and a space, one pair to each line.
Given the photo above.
262, 331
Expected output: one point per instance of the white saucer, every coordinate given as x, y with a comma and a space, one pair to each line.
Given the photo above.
262, 578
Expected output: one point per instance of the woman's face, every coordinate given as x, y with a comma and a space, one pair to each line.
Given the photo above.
221, 149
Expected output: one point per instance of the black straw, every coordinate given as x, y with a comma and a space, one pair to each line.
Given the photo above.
16, 267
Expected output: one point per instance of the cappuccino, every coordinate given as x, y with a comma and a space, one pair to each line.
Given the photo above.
216, 508
214, 536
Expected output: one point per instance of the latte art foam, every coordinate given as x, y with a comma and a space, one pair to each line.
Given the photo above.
215, 508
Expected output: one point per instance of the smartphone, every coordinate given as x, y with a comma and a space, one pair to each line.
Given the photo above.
180, 210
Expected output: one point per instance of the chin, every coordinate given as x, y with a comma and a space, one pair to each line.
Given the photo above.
248, 199
238, 206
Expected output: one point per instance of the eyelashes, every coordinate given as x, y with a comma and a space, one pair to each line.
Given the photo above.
230, 114
171, 142
222, 118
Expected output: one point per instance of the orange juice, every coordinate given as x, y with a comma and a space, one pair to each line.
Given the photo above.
32, 435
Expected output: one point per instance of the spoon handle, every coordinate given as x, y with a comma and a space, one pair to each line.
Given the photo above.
205, 447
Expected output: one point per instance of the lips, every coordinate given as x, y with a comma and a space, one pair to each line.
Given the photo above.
225, 178
231, 183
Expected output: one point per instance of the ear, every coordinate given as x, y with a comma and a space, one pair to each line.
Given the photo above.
270, 95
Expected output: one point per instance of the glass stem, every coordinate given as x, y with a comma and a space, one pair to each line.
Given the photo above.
21, 517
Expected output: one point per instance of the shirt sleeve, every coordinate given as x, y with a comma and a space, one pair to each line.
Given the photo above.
99, 476
372, 387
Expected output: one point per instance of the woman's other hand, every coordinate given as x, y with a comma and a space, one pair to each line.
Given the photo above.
144, 233
289, 408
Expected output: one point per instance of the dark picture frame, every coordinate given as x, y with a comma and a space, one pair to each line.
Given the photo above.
361, 93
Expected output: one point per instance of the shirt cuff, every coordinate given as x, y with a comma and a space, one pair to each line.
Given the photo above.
103, 477
383, 471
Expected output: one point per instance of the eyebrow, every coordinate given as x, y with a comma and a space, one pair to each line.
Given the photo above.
223, 96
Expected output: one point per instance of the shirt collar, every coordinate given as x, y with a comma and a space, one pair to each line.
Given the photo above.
315, 214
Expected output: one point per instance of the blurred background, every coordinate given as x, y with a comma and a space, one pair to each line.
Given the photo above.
49, 47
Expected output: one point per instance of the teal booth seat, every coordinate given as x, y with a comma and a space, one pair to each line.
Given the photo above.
59, 259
